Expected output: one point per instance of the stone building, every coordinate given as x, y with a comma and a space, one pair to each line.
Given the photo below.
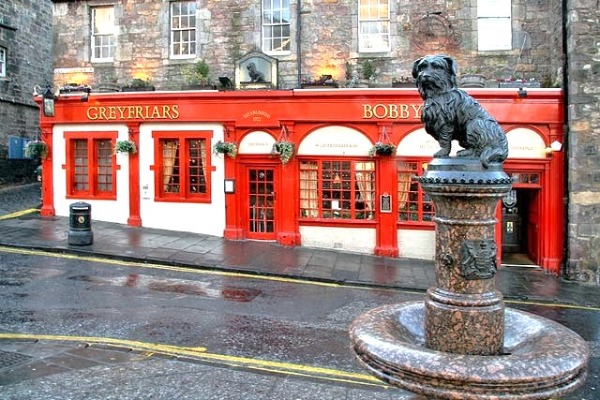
378, 41
25, 61
108, 45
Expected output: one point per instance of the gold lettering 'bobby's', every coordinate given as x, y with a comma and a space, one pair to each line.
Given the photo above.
110, 113
391, 111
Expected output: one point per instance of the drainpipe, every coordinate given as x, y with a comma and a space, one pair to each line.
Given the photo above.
566, 272
299, 41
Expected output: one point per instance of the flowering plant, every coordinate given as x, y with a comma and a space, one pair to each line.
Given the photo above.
74, 87
227, 148
382, 149
36, 149
125, 147
284, 149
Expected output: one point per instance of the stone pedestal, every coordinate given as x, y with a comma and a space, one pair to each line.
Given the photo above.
464, 313
461, 342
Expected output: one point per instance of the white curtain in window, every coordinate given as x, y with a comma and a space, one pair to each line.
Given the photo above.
169, 152
404, 179
309, 189
364, 181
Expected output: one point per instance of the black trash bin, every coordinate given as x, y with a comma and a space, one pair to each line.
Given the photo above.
80, 224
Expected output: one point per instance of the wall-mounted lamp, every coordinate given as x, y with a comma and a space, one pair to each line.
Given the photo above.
554, 147
48, 101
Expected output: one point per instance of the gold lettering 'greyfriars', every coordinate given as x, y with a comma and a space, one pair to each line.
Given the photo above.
449, 113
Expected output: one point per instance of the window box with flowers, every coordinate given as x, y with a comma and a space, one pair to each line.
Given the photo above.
125, 147
404, 82
138, 85
284, 149
75, 88
325, 81
226, 148
36, 149
382, 149
518, 83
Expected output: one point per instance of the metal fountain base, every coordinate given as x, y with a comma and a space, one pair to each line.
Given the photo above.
541, 359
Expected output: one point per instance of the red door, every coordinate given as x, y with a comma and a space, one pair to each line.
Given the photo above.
533, 223
260, 208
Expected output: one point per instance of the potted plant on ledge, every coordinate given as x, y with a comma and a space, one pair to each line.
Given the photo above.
284, 149
125, 147
138, 85
36, 149
226, 148
403, 82
197, 77
382, 149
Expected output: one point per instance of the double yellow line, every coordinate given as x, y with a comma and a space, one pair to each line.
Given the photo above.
136, 264
200, 354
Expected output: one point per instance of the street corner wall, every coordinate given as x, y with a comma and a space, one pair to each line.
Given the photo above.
583, 246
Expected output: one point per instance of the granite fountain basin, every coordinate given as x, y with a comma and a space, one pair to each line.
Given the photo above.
541, 359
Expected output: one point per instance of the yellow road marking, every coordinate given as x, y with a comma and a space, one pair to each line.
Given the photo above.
18, 213
295, 280
163, 267
199, 353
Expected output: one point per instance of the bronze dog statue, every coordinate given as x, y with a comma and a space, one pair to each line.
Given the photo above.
450, 113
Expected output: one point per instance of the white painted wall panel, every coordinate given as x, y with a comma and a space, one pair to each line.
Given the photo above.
360, 240
204, 218
102, 210
413, 243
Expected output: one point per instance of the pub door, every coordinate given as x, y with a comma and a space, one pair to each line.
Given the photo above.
520, 222
260, 203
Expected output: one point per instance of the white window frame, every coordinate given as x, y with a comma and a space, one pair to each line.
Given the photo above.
105, 33
276, 27
183, 17
494, 25
3, 52
374, 26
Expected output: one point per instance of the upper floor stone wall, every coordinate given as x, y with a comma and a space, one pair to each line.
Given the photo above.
324, 41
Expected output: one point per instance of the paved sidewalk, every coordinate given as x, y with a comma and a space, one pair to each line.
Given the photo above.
203, 251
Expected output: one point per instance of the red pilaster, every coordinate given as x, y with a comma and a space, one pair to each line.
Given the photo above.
134, 178
553, 211
288, 234
233, 229
47, 174
387, 231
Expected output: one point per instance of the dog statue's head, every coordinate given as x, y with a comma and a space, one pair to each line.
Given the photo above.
434, 74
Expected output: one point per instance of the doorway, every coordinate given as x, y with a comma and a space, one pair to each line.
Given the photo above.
260, 207
520, 227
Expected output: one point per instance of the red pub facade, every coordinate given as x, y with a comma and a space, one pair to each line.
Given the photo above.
332, 193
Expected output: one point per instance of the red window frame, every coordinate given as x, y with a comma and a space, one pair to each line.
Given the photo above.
414, 208
95, 167
201, 170
332, 190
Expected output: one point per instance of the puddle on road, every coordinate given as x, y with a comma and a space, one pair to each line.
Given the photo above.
14, 277
177, 286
